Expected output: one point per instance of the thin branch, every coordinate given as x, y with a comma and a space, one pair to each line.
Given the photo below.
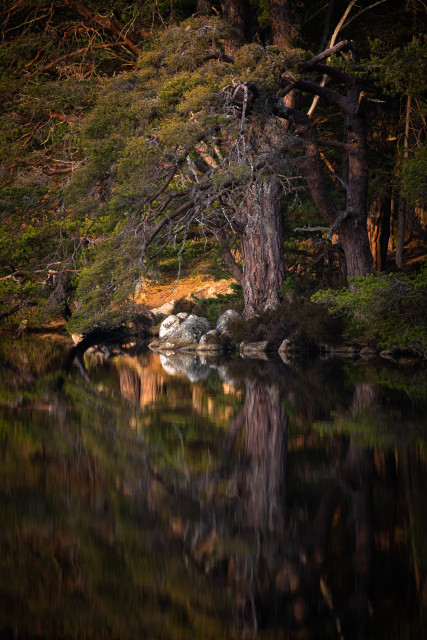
221, 57
331, 44
112, 24
76, 53
343, 45
359, 13
179, 163
334, 174
174, 214
323, 92
330, 230
335, 144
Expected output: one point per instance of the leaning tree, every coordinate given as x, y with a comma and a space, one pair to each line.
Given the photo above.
188, 139
194, 137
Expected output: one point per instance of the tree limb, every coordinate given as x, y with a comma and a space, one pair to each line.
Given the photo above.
174, 214
323, 92
227, 256
112, 24
344, 45
335, 144
330, 230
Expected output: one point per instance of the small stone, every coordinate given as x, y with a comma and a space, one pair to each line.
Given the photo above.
388, 354
210, 342
254, 348
368, 352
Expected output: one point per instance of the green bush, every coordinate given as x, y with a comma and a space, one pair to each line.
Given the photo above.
387, 310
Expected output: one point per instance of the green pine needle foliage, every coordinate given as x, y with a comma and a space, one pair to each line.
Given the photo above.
171, 114
388, 310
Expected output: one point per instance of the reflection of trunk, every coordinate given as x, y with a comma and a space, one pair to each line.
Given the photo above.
262, 247
409, 468
358, 472
266, 444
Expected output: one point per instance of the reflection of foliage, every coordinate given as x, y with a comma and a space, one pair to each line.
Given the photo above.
371, 428
402, 385
116, 514
76, 483
388, 309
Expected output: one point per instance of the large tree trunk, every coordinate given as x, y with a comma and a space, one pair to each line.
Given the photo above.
283, 31
353, 231
262, 247
204, 7
350, 224
234, 13
403, 207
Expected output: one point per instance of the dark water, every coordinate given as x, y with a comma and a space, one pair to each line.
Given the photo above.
147, 497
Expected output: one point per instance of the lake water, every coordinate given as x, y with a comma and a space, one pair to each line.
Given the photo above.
169, 497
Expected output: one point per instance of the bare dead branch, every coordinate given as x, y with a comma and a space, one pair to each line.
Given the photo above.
334, 174
112, 24
344, 45
84, 50
335, 144
221, 57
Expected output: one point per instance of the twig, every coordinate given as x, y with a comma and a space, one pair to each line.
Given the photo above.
76, 53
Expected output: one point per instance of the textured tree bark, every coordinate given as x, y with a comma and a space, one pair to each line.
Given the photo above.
204, 6
353, 231
403, 207
234, 13
351, 225
262, 247
283, 30
379, 232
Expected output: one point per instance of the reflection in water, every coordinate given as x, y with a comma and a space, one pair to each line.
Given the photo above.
179, 498
265, 448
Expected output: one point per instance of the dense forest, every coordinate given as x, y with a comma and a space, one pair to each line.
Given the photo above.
284, 142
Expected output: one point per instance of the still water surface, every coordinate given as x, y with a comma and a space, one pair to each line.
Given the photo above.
166, 497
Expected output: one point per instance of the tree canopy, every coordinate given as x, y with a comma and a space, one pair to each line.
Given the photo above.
203, 131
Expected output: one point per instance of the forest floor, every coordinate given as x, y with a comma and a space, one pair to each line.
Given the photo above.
156, 295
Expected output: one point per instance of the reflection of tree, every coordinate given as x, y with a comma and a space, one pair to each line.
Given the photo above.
354, 493
141, 381
266, 439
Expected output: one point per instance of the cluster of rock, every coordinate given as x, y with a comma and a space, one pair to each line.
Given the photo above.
191, 333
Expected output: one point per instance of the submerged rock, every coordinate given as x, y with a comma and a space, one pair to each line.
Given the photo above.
255, 349
188, 364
